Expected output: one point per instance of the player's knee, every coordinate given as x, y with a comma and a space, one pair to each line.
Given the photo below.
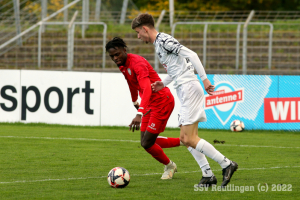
184, 140
146, 144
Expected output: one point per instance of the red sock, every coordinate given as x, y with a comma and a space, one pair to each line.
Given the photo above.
166, 142
157, 153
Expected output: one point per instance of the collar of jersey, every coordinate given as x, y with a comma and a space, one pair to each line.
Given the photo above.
127, 63
156, 38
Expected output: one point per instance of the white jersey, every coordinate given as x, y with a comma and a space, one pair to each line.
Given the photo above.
178, 63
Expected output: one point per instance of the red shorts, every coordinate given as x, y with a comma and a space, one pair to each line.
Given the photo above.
157, 114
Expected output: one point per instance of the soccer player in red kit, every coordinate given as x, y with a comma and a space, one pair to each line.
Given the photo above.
155, 108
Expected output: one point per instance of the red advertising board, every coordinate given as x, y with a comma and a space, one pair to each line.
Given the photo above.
220, 97
282, 110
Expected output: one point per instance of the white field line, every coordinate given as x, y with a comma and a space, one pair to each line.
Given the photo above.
150, 174
236, 145
82, 139
135, 141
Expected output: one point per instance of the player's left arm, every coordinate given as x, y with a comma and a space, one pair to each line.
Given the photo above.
194, 59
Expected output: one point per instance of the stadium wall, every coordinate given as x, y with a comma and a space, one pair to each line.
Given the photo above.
94, 98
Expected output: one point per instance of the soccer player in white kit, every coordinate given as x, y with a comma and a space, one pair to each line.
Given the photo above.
180, 63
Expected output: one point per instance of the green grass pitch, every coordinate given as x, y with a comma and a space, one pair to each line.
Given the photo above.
39, 161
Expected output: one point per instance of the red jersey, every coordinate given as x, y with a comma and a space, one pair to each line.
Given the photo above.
139, 75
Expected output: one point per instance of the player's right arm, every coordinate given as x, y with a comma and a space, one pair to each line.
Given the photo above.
134, 95
135, 123
167, 80
159, 85
146, 88
136, 104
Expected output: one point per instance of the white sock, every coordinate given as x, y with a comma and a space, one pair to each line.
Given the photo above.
169, 164
202, 162
209, 150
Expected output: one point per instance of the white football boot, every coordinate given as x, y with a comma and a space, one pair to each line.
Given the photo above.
170, 170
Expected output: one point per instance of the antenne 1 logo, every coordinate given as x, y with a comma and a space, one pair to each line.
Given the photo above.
224, 100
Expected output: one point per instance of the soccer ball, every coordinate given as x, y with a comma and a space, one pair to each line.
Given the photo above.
118, 177
237, 125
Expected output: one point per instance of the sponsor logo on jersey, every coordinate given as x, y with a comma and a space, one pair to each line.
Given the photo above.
224, 100
282, 110
152, 126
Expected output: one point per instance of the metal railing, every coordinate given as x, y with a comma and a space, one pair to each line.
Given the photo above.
13, 19
237, 39
37, 24
207, 19
71, 40
194, 16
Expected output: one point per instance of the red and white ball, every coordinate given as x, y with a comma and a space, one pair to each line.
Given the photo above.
118, 177
237, 125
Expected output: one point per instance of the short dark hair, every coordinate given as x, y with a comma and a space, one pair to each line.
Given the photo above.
116, 42
143, 19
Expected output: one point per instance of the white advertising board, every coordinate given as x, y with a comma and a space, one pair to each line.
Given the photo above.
116, 103
75, 98
10, 95
60, 97
103, 99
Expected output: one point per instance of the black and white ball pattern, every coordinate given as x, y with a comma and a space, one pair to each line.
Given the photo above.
118, 177
237, 125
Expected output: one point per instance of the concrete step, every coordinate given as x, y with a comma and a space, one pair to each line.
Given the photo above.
97, 63
140, 49
183, 41
219, 54
196, 33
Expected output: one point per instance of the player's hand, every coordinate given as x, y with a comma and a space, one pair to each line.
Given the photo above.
158, 85
209, 88
135, 124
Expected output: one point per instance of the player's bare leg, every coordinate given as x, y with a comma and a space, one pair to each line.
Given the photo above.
148, 143
189, 136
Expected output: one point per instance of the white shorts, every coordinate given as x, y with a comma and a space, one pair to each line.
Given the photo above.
191, 97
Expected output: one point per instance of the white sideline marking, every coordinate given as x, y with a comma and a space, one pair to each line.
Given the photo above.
241, 145
63, 179
150, 174
84, 139
137, 141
